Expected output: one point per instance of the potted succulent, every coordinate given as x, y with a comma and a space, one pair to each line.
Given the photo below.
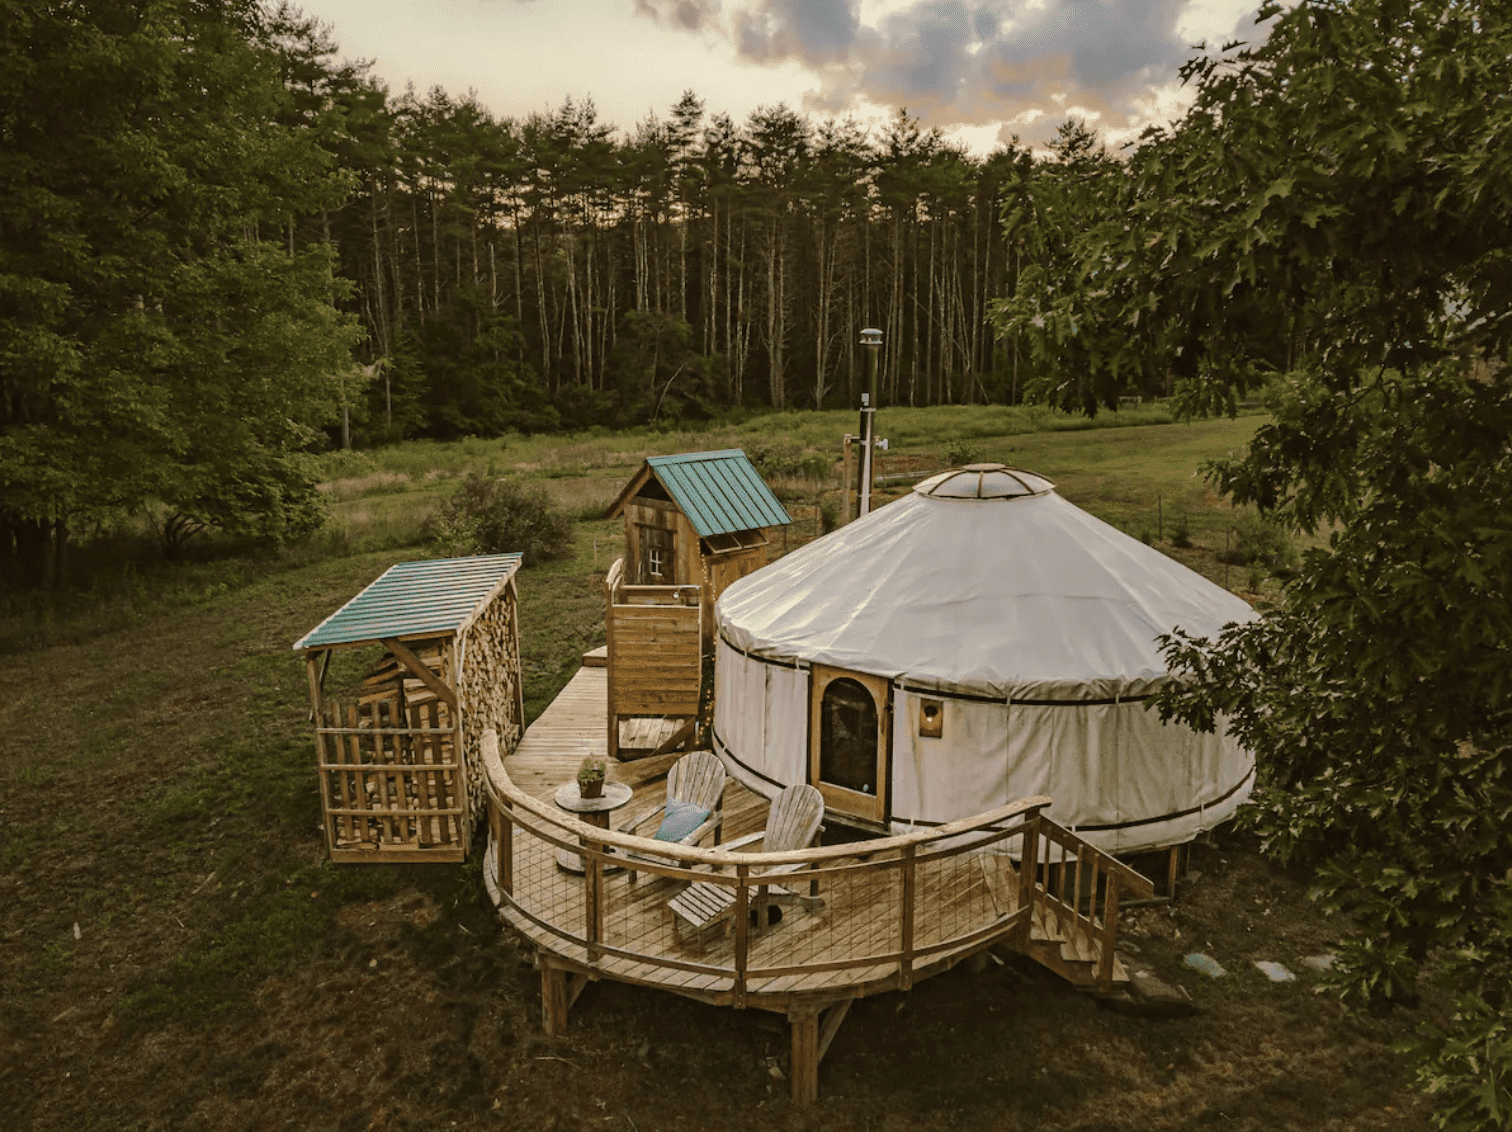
590, 777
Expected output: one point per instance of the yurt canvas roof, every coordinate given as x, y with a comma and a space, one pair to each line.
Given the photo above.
981, 582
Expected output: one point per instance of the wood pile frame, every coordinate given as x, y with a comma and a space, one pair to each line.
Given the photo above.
400, 769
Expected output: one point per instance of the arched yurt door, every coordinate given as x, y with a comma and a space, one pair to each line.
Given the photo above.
848, 741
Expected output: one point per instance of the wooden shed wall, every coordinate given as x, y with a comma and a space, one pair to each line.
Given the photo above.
720, 570
662, 515
654, 659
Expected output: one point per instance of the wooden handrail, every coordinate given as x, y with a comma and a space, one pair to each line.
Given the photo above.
1092, 874
502, 787
1133, 881
1100, 922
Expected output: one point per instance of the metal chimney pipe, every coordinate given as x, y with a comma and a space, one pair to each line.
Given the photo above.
871, 340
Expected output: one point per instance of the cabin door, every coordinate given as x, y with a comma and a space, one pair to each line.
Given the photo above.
848, 741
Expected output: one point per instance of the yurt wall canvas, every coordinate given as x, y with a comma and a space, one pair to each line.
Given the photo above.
1016, 635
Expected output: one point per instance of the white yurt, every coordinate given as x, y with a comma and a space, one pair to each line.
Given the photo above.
978, 641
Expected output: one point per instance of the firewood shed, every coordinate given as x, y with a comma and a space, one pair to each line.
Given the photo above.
400, 770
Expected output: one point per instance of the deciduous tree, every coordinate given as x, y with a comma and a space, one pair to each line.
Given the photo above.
160, 338
1332, 220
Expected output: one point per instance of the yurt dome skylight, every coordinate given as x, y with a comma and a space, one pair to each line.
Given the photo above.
984, 481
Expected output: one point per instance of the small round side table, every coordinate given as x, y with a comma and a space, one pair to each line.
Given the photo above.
594, 811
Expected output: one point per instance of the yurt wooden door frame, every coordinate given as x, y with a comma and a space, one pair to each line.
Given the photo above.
840, 799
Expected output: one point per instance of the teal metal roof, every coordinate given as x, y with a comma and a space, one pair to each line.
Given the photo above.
719, 492
415, 598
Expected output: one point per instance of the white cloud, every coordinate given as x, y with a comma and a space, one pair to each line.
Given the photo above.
970, 66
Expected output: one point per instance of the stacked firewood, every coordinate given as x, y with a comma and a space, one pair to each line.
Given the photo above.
391, 682
489, 689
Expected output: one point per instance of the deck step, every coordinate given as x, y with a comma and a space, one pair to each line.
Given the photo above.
1073, 955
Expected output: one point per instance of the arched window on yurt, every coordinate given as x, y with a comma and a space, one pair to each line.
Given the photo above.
849, 742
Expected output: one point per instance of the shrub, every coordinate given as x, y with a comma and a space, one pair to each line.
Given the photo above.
829, 516
494, 516
1259, 542
1182, 535
959, 453
776, 460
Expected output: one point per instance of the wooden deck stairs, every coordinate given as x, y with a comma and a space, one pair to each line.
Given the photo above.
1077, 945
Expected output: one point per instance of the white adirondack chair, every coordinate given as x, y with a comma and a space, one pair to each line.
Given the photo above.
696, 779
793, 822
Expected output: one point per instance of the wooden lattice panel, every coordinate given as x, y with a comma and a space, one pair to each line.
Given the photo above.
391, 786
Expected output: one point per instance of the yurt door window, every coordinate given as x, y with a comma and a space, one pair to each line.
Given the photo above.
848, 742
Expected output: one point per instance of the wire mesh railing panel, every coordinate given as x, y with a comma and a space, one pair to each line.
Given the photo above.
707, 920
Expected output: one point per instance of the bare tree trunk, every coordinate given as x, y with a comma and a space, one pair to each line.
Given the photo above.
419, 259
735, 375
519, 284
743, 343
572, 312
711, 273
774, 347
913, 361
895, 334
435, 252
540, 274
380, 321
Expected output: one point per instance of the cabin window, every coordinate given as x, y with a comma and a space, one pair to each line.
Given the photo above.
657, 565
848, 737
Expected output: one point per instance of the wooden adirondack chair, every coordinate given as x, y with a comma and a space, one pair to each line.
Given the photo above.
793, 822
696, 779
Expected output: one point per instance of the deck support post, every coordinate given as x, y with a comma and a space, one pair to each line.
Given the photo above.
559, 990
813, 1027
1028, 894
1109, 934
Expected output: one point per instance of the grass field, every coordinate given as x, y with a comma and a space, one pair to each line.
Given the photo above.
177, 953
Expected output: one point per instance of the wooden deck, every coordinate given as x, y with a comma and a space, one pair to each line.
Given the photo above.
575, 725
853, 920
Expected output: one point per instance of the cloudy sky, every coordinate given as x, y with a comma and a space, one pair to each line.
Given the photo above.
981, 70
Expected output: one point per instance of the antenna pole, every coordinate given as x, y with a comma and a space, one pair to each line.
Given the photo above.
872, 341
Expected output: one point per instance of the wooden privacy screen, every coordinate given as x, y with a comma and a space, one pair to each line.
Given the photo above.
655, 652
391, 788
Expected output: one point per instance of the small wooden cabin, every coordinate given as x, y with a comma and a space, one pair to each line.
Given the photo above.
400, 771
694, 523
699, 519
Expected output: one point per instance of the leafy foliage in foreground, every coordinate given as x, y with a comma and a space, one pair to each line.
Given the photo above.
1331, 220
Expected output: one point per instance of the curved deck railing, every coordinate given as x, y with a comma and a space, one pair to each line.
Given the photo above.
850, 919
